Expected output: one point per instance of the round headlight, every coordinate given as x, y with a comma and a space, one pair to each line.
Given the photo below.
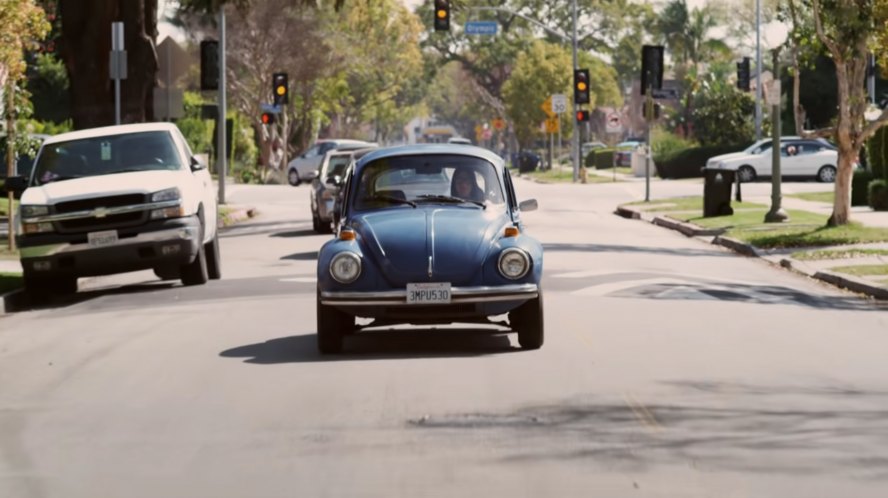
514, 263
345, 267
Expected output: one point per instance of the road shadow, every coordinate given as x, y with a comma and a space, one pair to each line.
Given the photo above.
302, 256
297, 233
23, 301
379, 345
788, 430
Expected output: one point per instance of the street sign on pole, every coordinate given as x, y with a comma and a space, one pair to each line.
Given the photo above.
665, 93
481, 27
274, 109
559, 103
546, 106
613, 123
553, 125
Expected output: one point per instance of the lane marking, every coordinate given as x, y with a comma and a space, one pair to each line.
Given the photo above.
642, 414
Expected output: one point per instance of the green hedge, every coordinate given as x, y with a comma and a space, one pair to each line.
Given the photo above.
688, 163
860, 187
878, 195
877, 153
604, 158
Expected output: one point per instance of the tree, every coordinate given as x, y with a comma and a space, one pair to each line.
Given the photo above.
848, 29
85, 44
23, 24
453, 98
722, 114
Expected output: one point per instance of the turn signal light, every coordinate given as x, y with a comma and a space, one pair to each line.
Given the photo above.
511, 232
346, 234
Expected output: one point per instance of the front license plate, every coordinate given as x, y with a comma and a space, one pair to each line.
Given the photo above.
428, 293
102, 239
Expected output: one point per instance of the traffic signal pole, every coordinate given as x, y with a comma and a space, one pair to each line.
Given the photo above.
576, 135
221, 156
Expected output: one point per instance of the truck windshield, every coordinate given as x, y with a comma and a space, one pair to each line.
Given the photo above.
106, 155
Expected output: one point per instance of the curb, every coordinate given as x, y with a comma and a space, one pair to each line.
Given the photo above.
852, 283
688, 229
237, 216
737, 246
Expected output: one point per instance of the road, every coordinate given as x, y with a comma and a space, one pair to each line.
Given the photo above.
671, 368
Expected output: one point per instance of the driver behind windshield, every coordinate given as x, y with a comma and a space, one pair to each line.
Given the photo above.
465, 186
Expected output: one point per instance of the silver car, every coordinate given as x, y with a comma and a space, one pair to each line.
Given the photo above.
304, 168
325, 186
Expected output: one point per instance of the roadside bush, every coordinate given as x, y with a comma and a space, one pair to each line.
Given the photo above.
860, 187
878, 195
604, 158
877, 153
665, 144
688, 163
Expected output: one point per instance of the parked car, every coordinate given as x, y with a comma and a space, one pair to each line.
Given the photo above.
304, 168
624, 151
325, 187
799, 157
116, 199
459, 140
588, 147
429, 234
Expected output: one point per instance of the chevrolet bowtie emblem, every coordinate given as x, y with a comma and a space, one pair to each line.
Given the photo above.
100, 212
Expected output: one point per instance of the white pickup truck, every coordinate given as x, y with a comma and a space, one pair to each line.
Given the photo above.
112, 200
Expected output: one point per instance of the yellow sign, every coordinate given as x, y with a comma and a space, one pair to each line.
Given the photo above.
553, 124
499, 124
547, 107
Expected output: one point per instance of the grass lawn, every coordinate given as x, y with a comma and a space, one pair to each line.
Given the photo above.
863, 270
803, 230
565, 175
4, 206
10, 282
839, 254
827, 197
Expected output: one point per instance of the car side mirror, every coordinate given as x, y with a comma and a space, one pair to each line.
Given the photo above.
196, 165
528, 205
16, 184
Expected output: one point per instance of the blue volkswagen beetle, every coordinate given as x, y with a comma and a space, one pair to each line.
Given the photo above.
429, 234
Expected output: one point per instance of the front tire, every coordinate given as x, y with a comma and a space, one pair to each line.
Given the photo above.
333, 325
746, 174
196, 273
214, 259
826, 174
293, 177
527, 320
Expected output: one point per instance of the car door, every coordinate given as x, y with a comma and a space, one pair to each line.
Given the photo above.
790, 159
203, 185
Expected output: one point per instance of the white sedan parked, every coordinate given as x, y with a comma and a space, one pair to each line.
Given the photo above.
798, 157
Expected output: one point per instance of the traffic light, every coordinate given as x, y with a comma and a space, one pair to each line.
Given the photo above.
651, 67
280, 89
209, 65
442, 15
743, 74
581, 86
267, 118
582, 116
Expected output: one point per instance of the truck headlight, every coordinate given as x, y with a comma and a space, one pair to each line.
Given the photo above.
30, 211
345, 267
513, 263
42, 227
170, 194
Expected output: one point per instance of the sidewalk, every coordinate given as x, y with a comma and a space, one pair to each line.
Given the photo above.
875, 286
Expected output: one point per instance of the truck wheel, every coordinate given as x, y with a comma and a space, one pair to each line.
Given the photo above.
214, 261
332, 326
195, 273
527, 320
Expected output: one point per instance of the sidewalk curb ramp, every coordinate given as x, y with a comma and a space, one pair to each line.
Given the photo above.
849, 282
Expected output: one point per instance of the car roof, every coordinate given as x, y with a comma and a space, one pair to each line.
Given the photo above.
431, 149
109, 131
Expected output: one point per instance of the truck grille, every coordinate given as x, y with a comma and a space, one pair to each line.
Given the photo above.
92, 224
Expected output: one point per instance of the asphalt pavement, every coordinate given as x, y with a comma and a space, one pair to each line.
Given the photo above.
672, 367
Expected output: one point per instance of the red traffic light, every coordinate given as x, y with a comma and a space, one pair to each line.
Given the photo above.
267, 118
582, 116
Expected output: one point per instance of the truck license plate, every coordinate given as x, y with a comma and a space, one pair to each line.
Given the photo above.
102, 239
428, 293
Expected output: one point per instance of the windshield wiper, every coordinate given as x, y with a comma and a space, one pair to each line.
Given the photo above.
388, 198
450, 199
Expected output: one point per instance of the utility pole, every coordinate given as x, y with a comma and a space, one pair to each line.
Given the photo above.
758, 70
221, 156
575, 153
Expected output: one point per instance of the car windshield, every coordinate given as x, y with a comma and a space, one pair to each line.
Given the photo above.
143, 151
758, 147
432, 179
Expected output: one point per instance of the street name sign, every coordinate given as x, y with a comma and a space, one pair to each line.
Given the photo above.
481, 27
665, 93
274, 109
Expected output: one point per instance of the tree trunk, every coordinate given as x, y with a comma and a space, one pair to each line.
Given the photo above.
86, 45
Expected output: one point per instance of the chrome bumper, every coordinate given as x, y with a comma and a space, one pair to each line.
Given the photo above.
458, 295
185, 233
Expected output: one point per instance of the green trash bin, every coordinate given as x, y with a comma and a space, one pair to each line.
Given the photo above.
717, 185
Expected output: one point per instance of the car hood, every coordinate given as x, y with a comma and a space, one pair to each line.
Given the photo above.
727, 157
137, 182
430, 243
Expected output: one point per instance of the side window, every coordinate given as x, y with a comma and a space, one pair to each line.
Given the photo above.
312, 152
